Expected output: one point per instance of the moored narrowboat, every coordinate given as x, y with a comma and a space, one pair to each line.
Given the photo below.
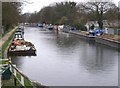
21, 48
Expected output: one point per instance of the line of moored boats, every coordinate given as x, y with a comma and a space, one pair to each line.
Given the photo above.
19, 46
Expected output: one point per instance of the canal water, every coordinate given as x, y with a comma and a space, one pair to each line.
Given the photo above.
66, 60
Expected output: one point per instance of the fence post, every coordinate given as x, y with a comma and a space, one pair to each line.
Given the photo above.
10, 66
22, 80
15, 81
15, 71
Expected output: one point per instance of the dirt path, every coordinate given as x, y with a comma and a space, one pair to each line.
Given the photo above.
5, 38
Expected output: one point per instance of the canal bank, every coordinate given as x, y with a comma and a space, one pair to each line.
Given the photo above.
5, 37
84, 36
17, 78
5, 42
108, 42
98, 39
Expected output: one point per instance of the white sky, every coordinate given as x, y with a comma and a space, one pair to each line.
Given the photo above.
38, 4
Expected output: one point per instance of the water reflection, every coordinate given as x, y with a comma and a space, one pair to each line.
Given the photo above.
64, 59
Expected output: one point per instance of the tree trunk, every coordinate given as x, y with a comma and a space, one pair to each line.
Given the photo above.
99, 17
100, 23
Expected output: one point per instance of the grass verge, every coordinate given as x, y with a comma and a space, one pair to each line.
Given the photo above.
5, 45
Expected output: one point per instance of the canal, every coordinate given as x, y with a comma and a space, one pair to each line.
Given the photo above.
66, 60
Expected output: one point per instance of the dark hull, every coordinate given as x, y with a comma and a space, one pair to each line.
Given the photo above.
50, 28
22, 53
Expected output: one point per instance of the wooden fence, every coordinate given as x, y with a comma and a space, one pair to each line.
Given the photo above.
19, 77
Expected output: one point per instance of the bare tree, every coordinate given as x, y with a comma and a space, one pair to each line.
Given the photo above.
98, 8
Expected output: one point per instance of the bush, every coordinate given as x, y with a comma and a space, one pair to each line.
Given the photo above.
79, 24
80, 27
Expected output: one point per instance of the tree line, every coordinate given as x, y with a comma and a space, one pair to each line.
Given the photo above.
68, 13
11, 12
74, 14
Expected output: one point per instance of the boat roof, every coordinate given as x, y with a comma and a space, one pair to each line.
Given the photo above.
18, 33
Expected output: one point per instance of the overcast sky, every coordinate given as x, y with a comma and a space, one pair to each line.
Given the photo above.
36, 5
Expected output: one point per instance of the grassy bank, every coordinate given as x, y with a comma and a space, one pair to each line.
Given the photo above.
9, 83
5, 45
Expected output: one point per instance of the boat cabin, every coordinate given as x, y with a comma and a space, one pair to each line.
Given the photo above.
18, 36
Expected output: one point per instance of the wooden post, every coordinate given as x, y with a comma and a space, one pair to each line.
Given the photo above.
22, 80
15, 81
15, 72
10, 66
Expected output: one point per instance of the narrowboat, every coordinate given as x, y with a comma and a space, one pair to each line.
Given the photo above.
50, 27
18, 36
21, 48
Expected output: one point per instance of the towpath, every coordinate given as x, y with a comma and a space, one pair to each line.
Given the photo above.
5, 38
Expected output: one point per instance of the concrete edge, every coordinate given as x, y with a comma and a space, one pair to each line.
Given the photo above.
108, 42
